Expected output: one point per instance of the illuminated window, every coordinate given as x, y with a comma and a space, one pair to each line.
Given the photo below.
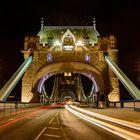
87, 57
67, 73
49, 57
68, 48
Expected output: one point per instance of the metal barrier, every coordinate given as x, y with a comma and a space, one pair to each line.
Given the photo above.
9, 106
135, 104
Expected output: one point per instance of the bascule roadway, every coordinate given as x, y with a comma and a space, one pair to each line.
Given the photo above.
59, 123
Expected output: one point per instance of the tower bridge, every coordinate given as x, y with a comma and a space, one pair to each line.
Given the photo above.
69, 49
68, 52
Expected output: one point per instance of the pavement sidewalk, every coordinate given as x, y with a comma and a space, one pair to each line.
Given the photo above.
127, 114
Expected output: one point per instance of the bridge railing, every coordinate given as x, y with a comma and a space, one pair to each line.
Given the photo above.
134, 104
11, 106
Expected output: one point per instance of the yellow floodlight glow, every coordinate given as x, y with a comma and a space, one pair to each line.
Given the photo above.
67, 73
57, 43
79, 43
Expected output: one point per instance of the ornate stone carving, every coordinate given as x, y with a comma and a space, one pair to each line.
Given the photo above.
96, 68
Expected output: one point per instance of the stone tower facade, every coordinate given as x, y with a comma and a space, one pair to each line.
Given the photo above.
59, 49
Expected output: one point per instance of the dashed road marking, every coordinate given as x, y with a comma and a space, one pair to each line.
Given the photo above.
53, 128
40, 133
56, 114
56, 136
58, 120
51, 120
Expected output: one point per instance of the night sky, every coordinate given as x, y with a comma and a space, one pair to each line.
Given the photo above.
118, 17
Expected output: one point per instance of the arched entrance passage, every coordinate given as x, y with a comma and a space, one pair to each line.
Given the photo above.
82, 68
67, 94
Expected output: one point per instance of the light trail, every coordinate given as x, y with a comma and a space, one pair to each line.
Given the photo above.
19, 118
126, 134
110, 119
26, 116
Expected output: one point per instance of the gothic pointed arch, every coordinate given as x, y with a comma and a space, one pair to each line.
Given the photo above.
68, 37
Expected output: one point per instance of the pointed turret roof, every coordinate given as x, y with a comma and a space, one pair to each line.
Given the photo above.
94, 38
42, 34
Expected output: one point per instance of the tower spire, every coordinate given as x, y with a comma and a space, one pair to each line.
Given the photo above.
42, 23
94, 23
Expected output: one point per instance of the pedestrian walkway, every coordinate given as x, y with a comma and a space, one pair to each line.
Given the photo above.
127, 114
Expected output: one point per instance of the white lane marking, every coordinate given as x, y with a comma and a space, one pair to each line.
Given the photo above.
58, 120
56, 114
53, 128
54, 123
40, 133
56, 136
51, 120
65, 136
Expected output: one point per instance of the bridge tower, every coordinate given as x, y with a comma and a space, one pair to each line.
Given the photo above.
75, 49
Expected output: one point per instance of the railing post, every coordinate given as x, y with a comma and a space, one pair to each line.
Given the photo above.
122, 104
4, 107
16, 106
10, 109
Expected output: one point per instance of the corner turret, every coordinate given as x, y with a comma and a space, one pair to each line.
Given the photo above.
95, 33
42, 34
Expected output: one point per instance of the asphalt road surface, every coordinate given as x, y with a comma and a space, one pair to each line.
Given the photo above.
50, 124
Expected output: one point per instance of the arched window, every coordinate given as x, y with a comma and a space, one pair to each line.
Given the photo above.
68, 38
49, 57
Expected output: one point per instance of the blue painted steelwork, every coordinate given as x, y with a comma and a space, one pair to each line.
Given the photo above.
93, 92
41, 88
72, 93
82, 90
44, 92
6, 90
132, 89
